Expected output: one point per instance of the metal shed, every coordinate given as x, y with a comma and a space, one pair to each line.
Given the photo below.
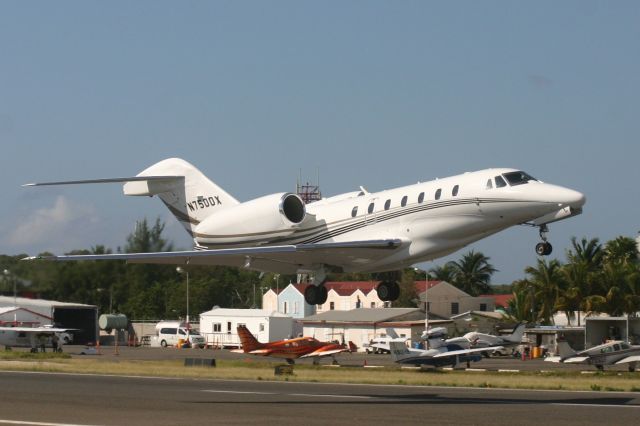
66, 315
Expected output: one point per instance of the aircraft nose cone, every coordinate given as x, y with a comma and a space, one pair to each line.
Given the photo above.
575, 199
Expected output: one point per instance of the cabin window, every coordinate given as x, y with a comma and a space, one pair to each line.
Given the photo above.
438, 193
421, 197
371, 206
454, 192
387, 204
489, 184
455, 308
404, 201
500, 183
354, 211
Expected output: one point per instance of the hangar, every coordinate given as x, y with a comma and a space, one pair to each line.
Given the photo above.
63, 314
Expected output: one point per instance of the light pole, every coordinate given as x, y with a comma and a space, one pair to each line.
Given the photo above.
183, 271
426, 302
7, 275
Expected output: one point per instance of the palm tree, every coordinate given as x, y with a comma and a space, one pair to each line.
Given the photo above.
520, 307
442, 273
546, 280
575, 287
621, 250
587, 251
472, 273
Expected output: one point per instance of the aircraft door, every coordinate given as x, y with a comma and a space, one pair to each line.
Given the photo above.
370, 216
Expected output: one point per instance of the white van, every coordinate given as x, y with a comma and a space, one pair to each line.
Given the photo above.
170, 332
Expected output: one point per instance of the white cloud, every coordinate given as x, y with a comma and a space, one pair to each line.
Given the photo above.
51, 226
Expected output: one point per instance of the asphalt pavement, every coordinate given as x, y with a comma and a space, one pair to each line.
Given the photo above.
70, 399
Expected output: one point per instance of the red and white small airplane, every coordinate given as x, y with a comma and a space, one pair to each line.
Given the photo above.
289, 349
359, 231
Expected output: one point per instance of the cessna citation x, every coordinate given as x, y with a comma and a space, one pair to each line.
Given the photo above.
353, 232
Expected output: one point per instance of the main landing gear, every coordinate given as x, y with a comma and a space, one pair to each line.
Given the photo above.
544, 248
315, 294
388, 291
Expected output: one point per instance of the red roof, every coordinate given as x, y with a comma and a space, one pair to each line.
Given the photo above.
421, 286
499, 299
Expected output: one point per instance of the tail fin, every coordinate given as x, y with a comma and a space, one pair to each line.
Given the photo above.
186, 192
516, 335
399, 351
392, 333
248, 341
563, 349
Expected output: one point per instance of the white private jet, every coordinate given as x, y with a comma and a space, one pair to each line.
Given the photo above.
353, 232
438, 353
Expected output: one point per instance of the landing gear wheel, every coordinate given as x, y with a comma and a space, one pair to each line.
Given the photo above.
322, 295
544, 249
388, 291
315, 295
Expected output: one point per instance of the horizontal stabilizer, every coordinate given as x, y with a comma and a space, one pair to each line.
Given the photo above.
108, 180
553, 359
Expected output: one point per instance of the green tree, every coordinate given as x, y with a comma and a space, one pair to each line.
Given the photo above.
546, 281
472, 273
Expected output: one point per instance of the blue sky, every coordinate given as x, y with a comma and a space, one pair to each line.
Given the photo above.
372, 93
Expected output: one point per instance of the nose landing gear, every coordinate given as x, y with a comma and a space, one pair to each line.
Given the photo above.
544, 248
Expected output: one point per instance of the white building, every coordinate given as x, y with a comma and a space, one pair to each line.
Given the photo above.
219, 326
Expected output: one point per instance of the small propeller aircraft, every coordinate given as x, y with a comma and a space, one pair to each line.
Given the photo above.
29, 337
481, 340
380, 345
438, 353
611, 353
358, 231
289, 349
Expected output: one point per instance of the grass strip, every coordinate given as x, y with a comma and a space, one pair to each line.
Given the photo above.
242, 370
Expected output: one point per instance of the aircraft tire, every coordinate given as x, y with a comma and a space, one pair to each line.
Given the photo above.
395, 291
544, 249
322, 295
384, 291
315, 295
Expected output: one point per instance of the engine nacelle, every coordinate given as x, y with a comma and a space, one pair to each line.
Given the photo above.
253, 222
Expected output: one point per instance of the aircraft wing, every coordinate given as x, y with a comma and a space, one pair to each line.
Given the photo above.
466, 351
632, 358
282, 257
38, 330
321, 352
260, 352
576, 359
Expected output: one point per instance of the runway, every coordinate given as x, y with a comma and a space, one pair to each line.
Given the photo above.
71, 399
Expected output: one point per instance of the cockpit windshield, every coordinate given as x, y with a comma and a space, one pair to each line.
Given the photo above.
517, 178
